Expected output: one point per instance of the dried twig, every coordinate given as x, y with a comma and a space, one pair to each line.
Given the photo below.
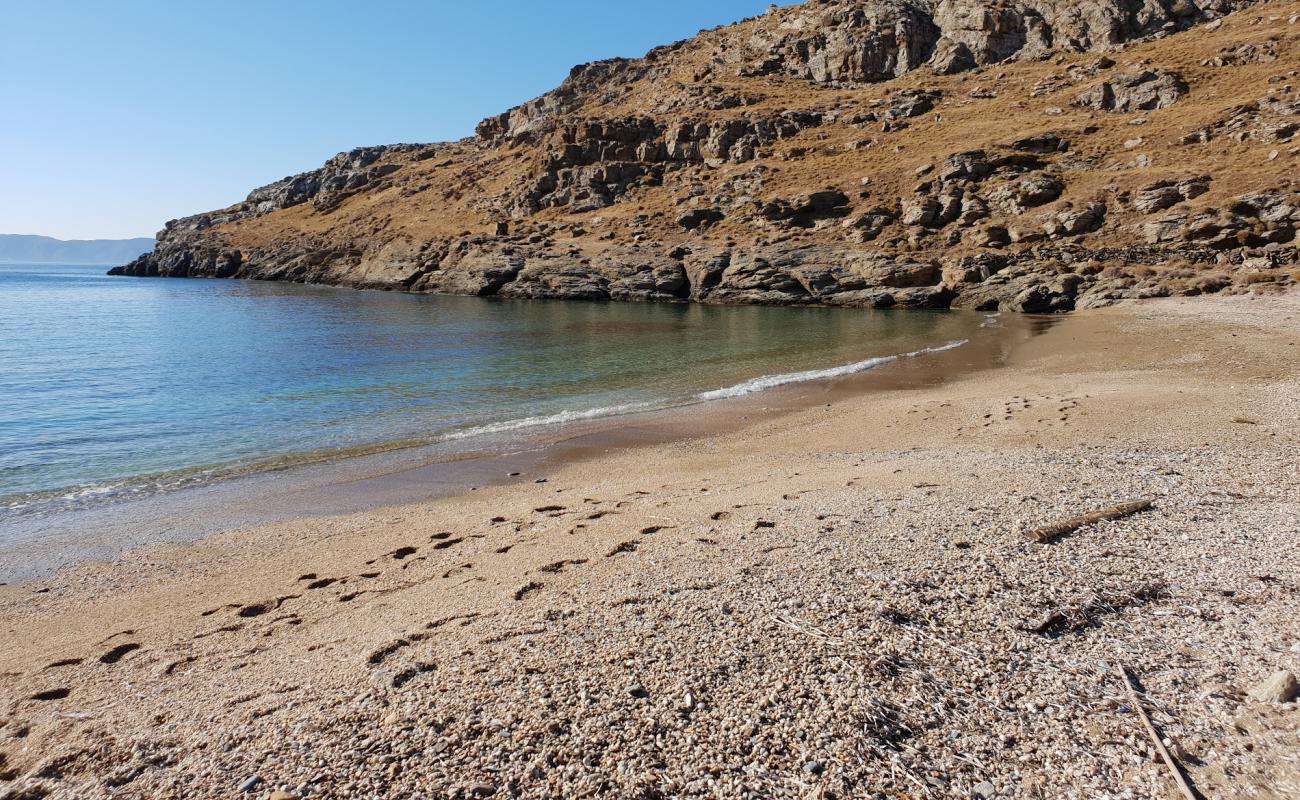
1179, 779
1049, 532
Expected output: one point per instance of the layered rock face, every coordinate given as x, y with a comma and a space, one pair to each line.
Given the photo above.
1030, 156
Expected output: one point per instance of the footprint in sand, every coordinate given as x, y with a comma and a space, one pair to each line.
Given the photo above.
531, 587
411, 673
560, 566
52, 694
264, 606
397, 555
238, 626
177, 664
625, 547
64, 662
463, 619
118, 653
378, 656
218, 609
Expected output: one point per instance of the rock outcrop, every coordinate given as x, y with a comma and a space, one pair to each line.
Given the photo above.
1036, 156
1135, 90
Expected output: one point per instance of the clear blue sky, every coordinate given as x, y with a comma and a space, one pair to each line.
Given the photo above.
121, 115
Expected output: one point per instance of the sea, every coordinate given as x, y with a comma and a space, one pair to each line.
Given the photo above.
116, 387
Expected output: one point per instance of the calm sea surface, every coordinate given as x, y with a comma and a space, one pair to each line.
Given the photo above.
111, 387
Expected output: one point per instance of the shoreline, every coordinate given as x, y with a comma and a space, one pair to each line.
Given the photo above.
832, 599
38, 544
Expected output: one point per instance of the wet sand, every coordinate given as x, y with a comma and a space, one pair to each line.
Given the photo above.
827, 599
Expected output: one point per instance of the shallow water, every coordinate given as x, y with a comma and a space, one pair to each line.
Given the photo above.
111, 387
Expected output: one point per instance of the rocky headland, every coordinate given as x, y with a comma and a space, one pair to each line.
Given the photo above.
1024, 156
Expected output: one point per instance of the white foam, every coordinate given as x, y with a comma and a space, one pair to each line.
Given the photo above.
744, 388
558, 418
772, 381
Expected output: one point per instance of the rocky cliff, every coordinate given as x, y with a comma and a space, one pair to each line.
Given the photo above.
1032, 155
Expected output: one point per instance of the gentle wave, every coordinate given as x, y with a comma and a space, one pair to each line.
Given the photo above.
559, 418
773, 381
65, 499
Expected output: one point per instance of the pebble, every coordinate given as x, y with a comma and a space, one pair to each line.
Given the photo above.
1280, 687
814, 768
250, 784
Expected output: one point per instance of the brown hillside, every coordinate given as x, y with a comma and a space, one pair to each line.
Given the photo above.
1024, 156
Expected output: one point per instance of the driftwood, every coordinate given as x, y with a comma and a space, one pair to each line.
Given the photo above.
1174, 769
1049, 532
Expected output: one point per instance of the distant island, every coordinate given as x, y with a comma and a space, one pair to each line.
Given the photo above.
23, 249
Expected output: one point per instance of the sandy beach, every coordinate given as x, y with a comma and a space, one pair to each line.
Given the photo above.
838, 600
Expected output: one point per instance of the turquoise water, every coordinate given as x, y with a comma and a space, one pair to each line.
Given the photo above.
115, 386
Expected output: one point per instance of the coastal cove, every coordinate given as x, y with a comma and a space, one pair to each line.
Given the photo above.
836, 400
329, 400
776, 556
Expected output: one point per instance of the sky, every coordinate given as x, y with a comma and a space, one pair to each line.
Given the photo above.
118, 116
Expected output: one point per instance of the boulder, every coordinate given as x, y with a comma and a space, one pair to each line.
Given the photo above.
952, 57
922, 211
1072, 222
892, 273
870, 224
1165, 229
1280, 687
1030, 191
1135, 90
700, 217
1165, 194
478, 274
806, 210
906, 103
